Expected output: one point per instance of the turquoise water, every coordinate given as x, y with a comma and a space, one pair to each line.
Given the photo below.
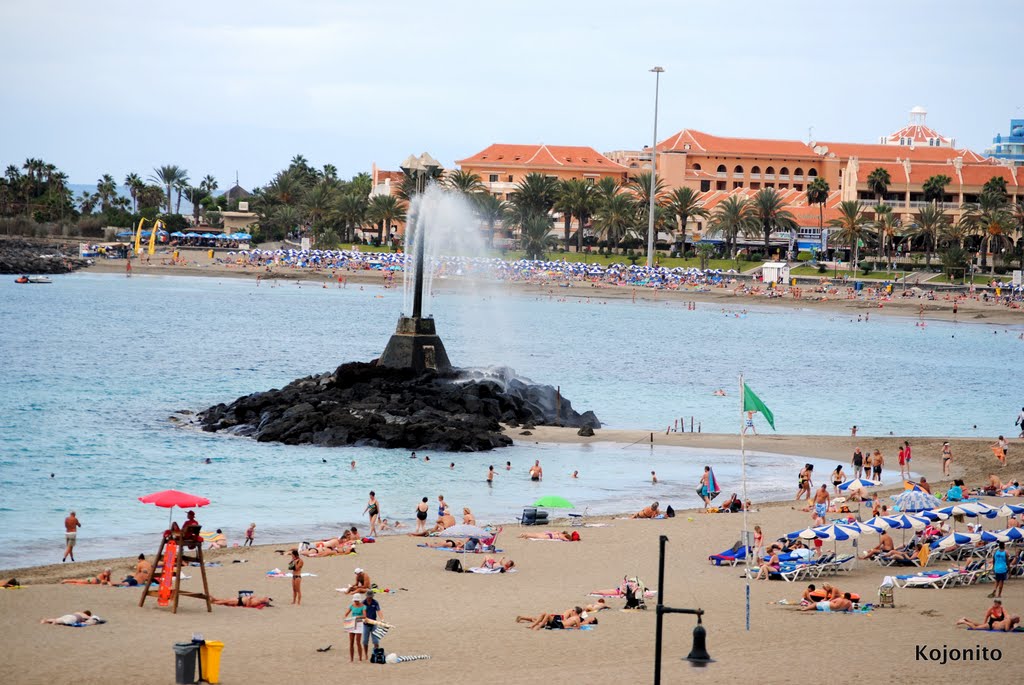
94, 364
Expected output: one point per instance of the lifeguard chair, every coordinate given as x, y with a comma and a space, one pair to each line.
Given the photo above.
178, 548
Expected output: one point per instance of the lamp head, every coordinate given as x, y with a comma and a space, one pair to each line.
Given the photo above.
428, 163
410, 165
698, 655
657, 70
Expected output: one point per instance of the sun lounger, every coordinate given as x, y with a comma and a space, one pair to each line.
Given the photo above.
729, 557
933, 579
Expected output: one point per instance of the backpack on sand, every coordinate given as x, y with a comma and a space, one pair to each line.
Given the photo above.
453, 565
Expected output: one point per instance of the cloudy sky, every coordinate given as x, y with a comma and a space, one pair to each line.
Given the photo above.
219, 87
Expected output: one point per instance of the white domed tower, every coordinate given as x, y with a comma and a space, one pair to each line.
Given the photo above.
917, 133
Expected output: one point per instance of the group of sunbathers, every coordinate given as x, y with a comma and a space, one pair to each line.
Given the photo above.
331, 546
827, 598
996, 618
574, 618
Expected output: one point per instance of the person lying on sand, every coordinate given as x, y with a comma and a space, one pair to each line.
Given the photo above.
599, 605
843, 603
249, 601
453, 544
101, 579
504, 564
327, 551
547, 535
647, 512
79, 617
568, 619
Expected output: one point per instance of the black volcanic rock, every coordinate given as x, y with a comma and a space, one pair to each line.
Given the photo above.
366, 404
35, 257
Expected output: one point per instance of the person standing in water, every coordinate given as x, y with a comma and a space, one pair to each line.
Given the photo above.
490, 475
373, 509
536, 472
421, 515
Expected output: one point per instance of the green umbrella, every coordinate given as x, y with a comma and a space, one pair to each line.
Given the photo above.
551, 502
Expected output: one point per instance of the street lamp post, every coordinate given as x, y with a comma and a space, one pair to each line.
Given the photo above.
654, 171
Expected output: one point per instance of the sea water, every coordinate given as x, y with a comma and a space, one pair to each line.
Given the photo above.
93, 365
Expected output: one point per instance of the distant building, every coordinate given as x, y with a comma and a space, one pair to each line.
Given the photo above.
237, 194
1011, 147
916, 133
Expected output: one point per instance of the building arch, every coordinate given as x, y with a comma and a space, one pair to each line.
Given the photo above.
695, 167
784, 171
755, 170
721, 168
798, 172
812, 172
737, 170
769, 171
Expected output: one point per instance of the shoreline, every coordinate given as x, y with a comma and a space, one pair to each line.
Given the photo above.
818, 447
972, 310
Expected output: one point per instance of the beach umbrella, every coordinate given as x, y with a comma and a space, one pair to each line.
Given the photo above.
805, 534
1009, 510
879, 523
553, 502
905, 522
954, 539
916, 500
860, 527
858, 483
836, 531
174, 498
1008, 535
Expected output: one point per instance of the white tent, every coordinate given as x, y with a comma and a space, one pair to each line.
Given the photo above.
775, 272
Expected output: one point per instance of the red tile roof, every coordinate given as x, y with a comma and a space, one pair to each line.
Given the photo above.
919, 173
759, 147
889, 153
979, 174
919, 133
897, 174
567, 157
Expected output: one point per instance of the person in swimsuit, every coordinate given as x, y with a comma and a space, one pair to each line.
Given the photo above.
76, 618
453, 544
838, 477
467, 517
770, 566
749, 423
547, 535
250, 534
877, 460
821, 500
71, 526
857, 463
102, 578
844, 603
705, 487
758, 542
536, 472
360, 584
442, 506
508, 466
421, 516
995, 619
373, 509
906, 455
647, 512
804, 483
947, 458
490, 475
504, 564
295, 566
999, 448
248, 601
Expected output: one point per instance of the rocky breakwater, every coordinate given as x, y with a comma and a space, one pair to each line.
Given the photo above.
365, 404
35, 257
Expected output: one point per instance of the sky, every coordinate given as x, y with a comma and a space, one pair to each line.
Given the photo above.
223, 87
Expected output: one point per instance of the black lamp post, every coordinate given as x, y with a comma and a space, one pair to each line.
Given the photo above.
698, 655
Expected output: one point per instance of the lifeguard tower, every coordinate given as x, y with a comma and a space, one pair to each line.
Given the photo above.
775, 272
178, 548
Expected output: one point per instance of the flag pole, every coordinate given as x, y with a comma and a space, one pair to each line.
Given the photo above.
743, 477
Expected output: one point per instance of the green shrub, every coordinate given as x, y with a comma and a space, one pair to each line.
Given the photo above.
803, 256
821, 268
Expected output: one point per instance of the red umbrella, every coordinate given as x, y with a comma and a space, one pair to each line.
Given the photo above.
174, 498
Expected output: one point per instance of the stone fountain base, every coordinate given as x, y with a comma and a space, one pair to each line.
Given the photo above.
415, 345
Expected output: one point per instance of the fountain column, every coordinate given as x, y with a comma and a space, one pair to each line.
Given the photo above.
415, 344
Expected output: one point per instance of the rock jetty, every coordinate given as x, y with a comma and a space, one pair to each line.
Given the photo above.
365, 404
31, 257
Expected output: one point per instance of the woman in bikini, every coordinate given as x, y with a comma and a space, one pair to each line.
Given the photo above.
804, 483
947, 458
467, 517
102, 578
838, 477
295, 566
248, 601
995, 619
758, 542
421, 515
770, 566
453, 544
548, 535
504, 564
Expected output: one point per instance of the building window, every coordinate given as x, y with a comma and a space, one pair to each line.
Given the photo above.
696, 167
720, 185
510, 178
798, 186
721, 168
705, 186
737, 184
784, 172
812, 172
755, 185
493, 178
590, 180
755, 171
798, 173
738, 170
769, 172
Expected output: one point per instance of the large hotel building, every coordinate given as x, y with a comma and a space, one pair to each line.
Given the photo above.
719, 166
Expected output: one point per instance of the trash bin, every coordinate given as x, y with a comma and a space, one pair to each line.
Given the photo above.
209, 660
185, 654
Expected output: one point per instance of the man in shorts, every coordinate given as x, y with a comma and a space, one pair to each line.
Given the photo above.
71, 526
820, 505
877, 460
857, 462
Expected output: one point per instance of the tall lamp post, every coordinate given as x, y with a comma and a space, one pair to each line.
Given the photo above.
654, 171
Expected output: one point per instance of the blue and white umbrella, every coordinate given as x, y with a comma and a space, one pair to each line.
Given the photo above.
916, 500
836, 531
906, 522
1008, 535
879, 523
805, 534
954, 539
858, 483
861, 527
1009, 510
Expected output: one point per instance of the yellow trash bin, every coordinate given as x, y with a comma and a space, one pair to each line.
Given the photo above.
209, 655
210, 253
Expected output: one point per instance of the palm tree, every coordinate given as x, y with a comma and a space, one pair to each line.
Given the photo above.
887, 225
772, 215
286, 188
955, 234
606, 188
318, 202
329, 172
168, 175
361, 184
196, 196
209, 183
614, 217
535, 235
853, 226
575, 199
491, 210
382, 211
106, 192
995, 185
878, 183
87, 202
134, 184
535, 194
934, 187
731, 217
180, 187
465, 182
931, 222
993, 220
683, 203
817, 194
954, 259
351, 213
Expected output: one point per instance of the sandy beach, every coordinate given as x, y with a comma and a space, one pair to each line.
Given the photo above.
466, 622
971, 309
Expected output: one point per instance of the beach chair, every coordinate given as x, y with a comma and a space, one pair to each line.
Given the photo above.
731, 556
843, 562
532, 517
577, 518
936, 579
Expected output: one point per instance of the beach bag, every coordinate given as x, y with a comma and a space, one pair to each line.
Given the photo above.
378, 656
575, 537
670, 513
453, 565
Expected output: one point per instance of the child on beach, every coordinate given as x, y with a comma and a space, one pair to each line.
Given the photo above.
250, 534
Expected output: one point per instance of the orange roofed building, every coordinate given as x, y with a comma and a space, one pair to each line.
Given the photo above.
501, 166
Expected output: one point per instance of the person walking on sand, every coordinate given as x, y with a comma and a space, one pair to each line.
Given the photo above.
356, 610
901, 458
907, 455
372, 612
295, 566
838, 477
877, 461
947, 458
820, 505
71, 526
1000, 448
705, 487
749, 423
250, 534
858, 463
373, 509
1000, 569
804, 482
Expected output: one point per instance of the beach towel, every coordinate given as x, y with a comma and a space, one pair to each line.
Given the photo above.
617, 593
451, 550
278, 573
1017, 629
481, 569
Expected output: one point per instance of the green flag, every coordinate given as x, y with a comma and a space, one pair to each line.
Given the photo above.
752, 402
